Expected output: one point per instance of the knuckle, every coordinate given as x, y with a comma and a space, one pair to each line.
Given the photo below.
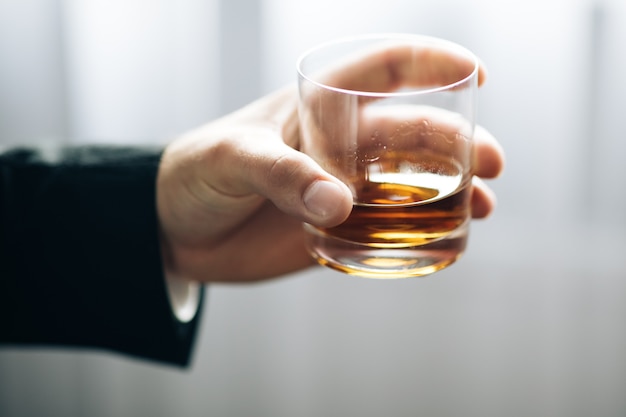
285, 169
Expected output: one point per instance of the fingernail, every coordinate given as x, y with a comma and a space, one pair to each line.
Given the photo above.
321, 197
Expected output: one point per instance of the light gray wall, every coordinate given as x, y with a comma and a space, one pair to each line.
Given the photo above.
32, 72
532, 321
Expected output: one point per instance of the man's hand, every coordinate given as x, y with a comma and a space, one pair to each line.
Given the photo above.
232, 195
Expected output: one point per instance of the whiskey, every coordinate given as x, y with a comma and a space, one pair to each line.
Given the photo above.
402, 226
410, 219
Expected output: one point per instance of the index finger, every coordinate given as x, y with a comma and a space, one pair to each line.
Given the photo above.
409, 61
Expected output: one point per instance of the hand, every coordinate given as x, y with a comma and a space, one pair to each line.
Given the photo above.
232, 195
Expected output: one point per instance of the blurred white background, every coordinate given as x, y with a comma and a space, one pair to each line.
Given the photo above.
531, 322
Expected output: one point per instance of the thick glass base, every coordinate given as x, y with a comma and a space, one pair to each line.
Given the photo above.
386, 263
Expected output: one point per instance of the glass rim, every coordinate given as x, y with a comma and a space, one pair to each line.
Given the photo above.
390, 36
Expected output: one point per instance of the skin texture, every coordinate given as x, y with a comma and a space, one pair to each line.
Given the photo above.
232, 195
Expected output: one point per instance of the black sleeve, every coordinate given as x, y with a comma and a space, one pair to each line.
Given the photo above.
79, 253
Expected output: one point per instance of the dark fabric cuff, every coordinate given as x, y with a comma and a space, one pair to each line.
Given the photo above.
80, 261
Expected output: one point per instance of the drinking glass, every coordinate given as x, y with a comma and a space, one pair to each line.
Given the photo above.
392, 116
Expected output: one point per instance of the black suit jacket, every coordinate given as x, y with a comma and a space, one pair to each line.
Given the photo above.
79, 253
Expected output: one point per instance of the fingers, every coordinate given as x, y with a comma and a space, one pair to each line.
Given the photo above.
261, 163
488, 154
441, 131
488, 163
483, 199
437, 130
411, 128
388, 67
258, 162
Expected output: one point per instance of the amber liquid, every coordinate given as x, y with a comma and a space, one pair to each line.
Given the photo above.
410, 220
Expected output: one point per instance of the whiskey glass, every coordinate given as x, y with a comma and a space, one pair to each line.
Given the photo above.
392, 116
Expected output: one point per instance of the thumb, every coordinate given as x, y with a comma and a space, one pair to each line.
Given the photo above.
263, 164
